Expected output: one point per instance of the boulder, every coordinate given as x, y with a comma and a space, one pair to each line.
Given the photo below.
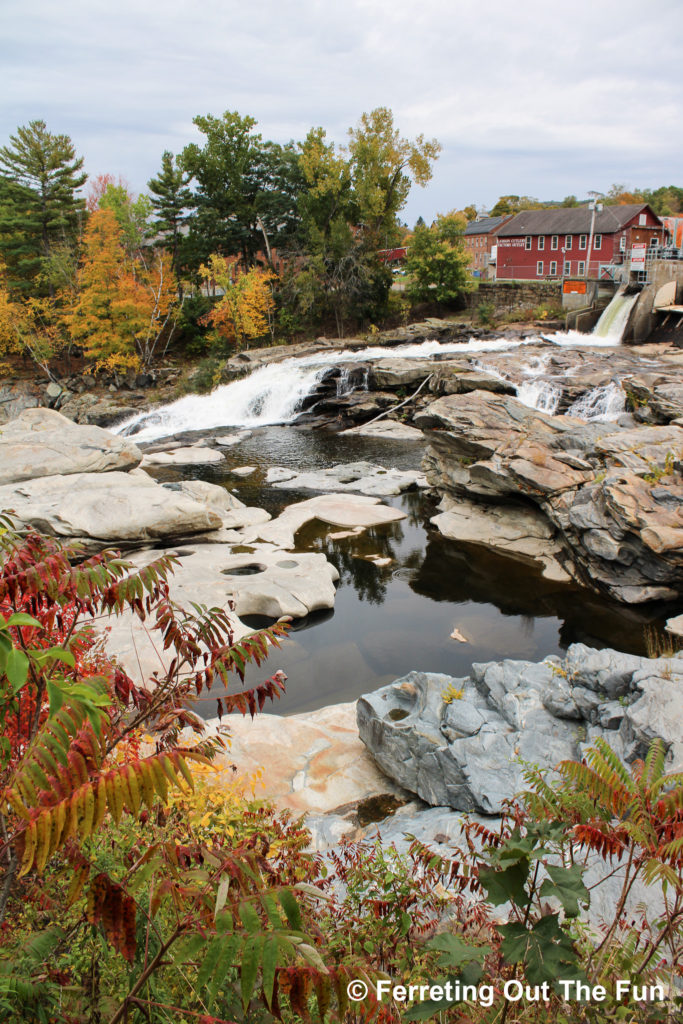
612, 498
463, 742
43, 443
116, 508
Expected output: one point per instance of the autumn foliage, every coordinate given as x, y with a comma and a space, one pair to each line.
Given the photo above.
125, 301
242, 313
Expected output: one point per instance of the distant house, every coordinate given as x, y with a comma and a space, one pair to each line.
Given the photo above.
480, 244
538, 244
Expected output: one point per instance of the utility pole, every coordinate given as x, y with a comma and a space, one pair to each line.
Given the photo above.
594, 206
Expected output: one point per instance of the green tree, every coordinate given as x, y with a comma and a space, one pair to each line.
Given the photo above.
384, 166
132, 215
437, 262
39, 206
245, 193
170, 198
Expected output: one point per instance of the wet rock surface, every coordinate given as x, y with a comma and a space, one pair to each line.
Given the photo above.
462, 742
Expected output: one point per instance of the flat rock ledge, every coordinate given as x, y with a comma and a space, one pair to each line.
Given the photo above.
361, 477
469, 753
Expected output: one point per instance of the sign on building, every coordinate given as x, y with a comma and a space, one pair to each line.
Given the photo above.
638, 254
574, 287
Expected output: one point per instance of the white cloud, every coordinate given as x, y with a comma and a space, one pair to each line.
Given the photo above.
532, 97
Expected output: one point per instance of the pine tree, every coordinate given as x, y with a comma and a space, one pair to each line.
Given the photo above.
40, 175
170, 198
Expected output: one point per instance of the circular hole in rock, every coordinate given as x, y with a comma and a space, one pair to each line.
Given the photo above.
244, 570
288, 563
398, 714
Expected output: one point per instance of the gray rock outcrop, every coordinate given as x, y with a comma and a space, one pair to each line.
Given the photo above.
467, 751
613, 497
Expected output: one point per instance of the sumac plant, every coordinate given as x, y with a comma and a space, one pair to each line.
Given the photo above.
98, 896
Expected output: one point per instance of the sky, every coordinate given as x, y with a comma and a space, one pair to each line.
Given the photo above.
527, 97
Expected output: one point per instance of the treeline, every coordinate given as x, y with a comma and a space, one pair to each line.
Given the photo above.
237, 237
666, 201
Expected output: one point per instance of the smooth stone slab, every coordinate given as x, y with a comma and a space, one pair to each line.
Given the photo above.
193, 456
315, 762
389, 429
112, 508
243, 470
43, 443
360, 477
340, 510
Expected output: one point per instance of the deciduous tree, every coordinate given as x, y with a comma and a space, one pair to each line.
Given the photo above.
243, 311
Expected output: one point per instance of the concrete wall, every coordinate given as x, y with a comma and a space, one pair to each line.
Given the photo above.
643, 321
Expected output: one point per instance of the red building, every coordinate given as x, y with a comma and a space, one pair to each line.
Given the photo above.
480, 245
540, 244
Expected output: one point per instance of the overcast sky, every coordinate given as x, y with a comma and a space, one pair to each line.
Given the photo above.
528, 97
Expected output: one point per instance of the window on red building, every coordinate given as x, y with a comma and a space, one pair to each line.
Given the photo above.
527, 242
553, 268
539, 268
567, 268
541, 242
554, 242
568, 239
583, 240
597, 242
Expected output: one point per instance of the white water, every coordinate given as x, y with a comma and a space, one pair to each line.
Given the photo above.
274, 392
540, 394
615, 317
604, 403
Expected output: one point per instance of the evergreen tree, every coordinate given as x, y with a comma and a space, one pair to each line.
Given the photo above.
38, 203
170, 199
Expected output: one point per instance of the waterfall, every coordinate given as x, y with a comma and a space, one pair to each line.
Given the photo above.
603, 403
541, 395
274, 392
614, 318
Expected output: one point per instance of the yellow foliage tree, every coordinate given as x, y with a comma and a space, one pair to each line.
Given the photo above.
30, 326
125, 303
247, 301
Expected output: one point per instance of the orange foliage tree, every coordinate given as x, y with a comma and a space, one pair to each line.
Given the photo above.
126, 303
247, 301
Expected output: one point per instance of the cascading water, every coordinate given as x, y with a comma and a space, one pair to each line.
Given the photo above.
604, 403
274, 393
540, 394
615, 317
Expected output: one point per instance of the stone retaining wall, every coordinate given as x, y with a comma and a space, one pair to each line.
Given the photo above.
509, 295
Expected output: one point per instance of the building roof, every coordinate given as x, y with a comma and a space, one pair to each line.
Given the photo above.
574, 220
485, 226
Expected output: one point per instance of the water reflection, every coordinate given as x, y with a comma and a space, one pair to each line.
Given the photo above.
389, 619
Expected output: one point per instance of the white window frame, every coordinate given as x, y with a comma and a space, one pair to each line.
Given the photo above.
539, 268
622, 243
553, 268
527, 242
654, 242
642, 220
567, 269
597, 242
583, 241
580, 268
568, 239
554, 241
541, 243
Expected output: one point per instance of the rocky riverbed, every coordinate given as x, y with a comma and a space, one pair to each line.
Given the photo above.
596, 500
